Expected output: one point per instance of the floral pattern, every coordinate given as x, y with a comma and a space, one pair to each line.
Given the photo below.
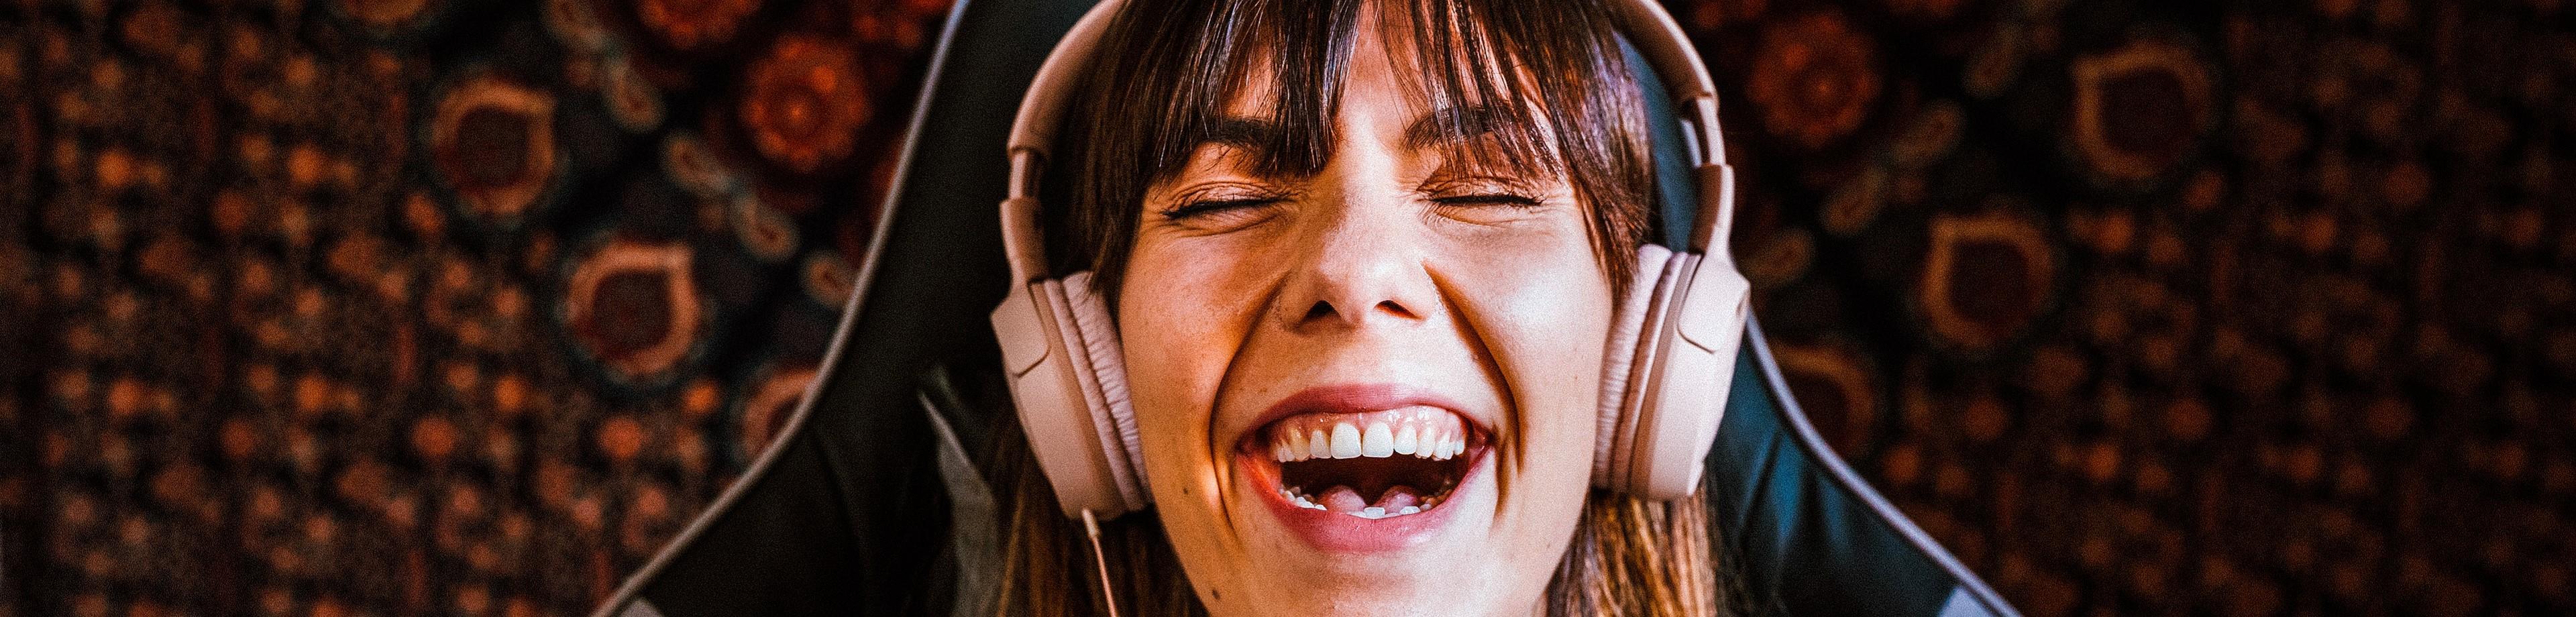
1814, 78
805, 103
327, 307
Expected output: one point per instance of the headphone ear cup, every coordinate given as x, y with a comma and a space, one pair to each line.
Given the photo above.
1054, 391
1679, 382
1101, 369
1627, 332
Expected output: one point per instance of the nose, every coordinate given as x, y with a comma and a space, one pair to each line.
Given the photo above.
1358, 269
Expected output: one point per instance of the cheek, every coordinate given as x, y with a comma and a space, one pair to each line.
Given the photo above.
1546, 321
1177, 331
1185, 305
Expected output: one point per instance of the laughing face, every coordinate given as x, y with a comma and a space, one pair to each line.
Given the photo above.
1371, 389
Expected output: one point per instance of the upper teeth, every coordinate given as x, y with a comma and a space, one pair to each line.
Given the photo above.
1426, 432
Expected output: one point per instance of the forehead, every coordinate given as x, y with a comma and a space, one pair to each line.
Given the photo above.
1186, 70
1380, 50
1375, 50
1422, 73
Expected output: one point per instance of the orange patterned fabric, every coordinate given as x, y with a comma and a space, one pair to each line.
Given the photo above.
417, 307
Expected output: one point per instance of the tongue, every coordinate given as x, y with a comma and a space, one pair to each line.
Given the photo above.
1397, 497
1343, 499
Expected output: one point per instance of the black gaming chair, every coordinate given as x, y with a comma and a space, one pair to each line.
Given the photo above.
847, 514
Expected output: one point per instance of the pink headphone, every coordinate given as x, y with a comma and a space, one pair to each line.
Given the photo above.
1664, 379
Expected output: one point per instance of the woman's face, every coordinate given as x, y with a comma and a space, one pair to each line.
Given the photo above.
1331, 371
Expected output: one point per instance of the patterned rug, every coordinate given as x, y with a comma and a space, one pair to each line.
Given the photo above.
408, 307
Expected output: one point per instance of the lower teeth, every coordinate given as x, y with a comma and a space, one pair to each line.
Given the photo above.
1299, 499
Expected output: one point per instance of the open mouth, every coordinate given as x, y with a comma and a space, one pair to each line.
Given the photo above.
1371, 465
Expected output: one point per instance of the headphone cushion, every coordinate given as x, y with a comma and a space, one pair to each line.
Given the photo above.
1107, 363
1627, 332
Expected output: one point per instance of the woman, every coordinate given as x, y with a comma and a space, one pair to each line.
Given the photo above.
1360, 257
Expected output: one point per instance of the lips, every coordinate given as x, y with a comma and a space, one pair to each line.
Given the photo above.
1362, 468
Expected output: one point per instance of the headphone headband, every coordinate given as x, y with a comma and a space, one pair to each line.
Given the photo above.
1657, 37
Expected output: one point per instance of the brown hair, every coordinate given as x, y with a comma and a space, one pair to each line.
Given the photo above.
1137, 123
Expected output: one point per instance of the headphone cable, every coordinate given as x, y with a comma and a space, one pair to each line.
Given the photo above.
1091, 526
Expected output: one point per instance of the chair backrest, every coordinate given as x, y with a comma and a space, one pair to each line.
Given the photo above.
829, 520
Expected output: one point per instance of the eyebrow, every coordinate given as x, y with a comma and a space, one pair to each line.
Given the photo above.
1450, 126
1443, 127
1248, 134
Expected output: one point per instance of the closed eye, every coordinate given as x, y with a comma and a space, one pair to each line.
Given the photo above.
1499, 208
1224, 210
1200, 208
1496, 199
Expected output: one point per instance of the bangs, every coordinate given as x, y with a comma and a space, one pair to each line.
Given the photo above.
1466, 76
1531, 88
